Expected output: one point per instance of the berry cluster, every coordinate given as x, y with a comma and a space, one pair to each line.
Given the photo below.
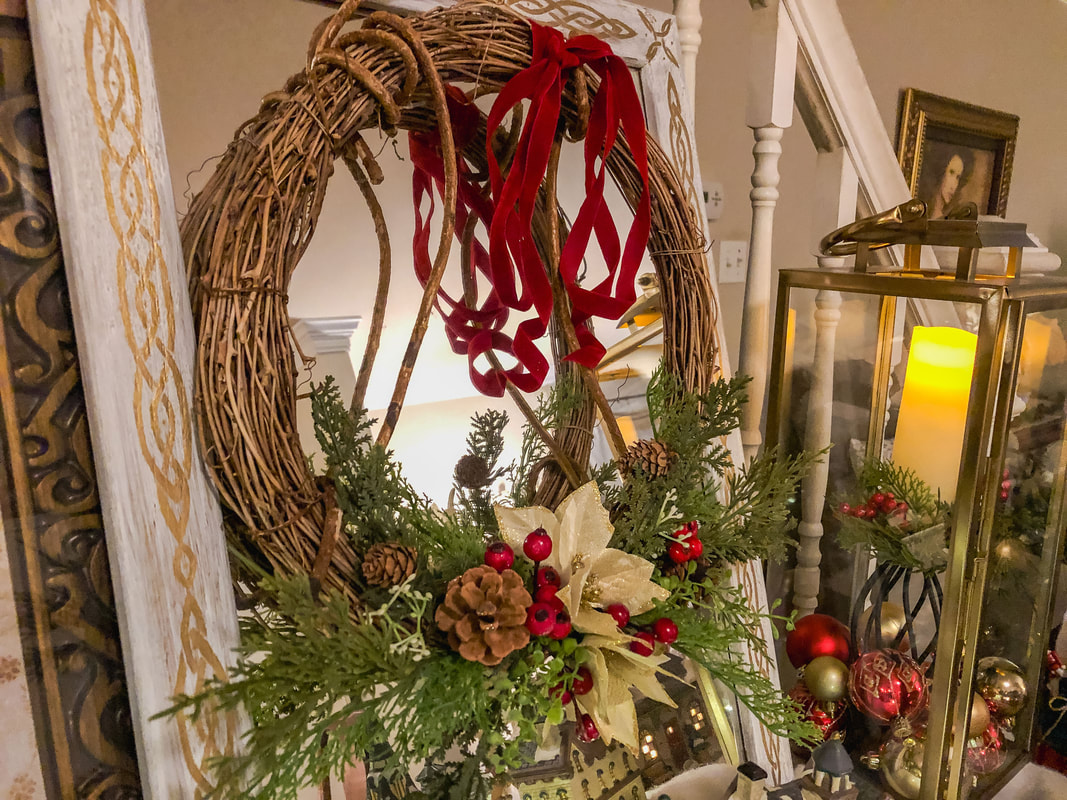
547, 615
1006, 485
879, 503
686, 545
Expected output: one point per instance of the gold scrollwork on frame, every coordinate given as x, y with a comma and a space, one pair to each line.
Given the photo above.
48, 488
659, 38
681, 142
573, 17
160, 399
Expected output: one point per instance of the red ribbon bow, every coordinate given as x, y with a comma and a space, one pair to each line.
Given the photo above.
512, 265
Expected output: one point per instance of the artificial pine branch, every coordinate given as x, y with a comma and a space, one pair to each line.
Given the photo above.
485, 442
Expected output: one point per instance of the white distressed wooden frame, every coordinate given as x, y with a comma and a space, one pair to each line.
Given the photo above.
136, 344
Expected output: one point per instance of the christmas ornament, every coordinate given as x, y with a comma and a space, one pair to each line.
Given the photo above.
886, 684
593, 575
499, 556
483, 613
891, 622
472, 472
817, 635
901, 766
540, 619
664, 630
1002, 684
979, 717
985, 752
650, 456
827, 678
537, 546
829, 717
679, 552
388, 564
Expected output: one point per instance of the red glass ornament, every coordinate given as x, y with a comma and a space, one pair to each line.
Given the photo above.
829, 717
664, 630
548, 576
540, 619
586, 729
985, 753
644, 643
562, 628
817, 635
538, 545
620, 612
679, 552
499, 556
886, 684
583, 682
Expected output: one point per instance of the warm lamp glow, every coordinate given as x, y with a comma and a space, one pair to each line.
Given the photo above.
933, 408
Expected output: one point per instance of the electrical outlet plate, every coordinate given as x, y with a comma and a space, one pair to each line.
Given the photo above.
733, 261
713, 200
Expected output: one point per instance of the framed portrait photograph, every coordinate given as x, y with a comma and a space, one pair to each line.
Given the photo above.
954, 153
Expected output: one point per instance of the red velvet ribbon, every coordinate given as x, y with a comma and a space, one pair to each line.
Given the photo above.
512, 264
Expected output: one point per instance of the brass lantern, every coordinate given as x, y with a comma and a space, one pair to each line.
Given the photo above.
960, 380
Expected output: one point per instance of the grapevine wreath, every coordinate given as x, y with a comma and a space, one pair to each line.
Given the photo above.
379, 622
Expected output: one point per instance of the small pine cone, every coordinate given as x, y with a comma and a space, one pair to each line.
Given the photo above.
472, 472
388, 564
484, 614
651, 456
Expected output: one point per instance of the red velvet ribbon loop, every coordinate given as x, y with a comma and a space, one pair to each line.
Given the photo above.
511, 263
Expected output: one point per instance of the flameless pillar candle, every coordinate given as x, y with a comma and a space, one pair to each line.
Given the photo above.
933, 408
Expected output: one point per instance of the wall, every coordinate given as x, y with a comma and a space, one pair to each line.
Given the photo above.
1007, 56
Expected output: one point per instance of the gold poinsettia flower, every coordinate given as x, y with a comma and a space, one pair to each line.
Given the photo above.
592, 575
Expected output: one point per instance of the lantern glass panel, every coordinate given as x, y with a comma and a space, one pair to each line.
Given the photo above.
1023, 541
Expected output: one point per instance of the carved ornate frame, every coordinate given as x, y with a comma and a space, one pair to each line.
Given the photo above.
125, 271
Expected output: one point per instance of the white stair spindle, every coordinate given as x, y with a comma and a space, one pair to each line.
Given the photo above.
772, 73
836, 188
687, 12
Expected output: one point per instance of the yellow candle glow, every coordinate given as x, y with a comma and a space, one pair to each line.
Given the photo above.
933, 408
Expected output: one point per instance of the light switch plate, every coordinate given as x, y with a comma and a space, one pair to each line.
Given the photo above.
733, 261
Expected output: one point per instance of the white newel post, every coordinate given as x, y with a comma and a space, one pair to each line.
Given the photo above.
772, 73
689, 21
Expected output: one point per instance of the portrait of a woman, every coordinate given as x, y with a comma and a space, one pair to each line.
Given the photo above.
945, 174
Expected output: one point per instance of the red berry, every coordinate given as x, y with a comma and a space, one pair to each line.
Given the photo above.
562, 628
556, 604
1004, 494
644, 643
878, 499
889, 506
499, 556
696, 549
844, 508
692, 527
902, 507
547, 576
860, 511
583, 682
621, 614
586, 729
890, 496
540, 619
538, 545
546, 594
679, 552
1005, 484
558, 691
664, 630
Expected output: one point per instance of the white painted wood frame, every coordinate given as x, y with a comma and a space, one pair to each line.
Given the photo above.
136, 344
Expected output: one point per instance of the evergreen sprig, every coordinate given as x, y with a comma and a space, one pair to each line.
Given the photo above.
486, 443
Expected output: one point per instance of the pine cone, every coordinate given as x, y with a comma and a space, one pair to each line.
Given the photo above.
651, 456
388, 564
484, 614
472, 472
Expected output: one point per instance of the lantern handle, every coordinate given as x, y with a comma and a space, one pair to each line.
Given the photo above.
877, 230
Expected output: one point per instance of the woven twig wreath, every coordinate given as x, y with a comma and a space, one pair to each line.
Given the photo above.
246, 231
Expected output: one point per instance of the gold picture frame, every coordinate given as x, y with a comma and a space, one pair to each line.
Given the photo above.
954, 152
